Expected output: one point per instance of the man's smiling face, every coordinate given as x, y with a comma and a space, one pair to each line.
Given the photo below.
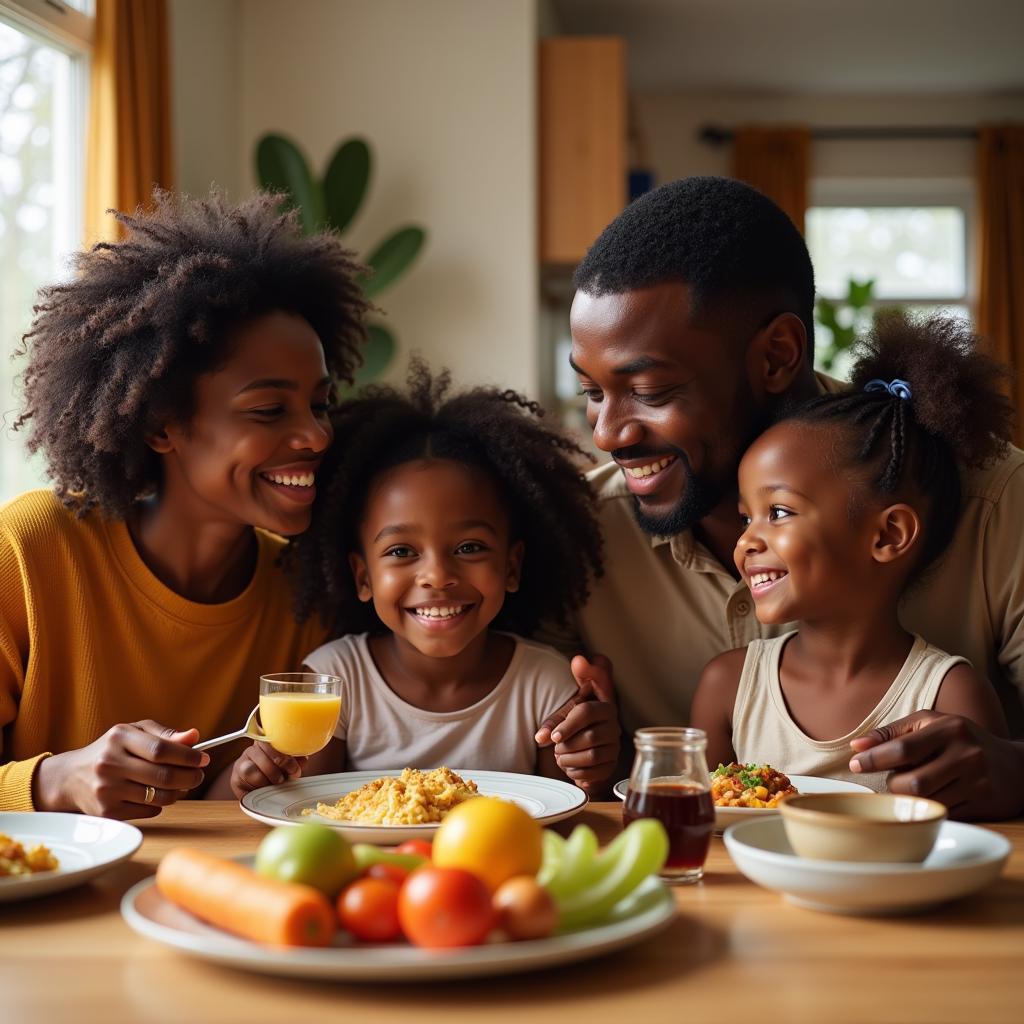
668, 397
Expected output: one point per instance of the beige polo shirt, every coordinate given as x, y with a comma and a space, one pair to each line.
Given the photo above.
666, 607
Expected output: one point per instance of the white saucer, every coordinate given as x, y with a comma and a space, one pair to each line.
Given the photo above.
965, 858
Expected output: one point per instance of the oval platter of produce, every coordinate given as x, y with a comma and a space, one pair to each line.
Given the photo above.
493, 894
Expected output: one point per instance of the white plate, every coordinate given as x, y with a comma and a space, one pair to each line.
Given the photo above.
965, 858
547, 800
726, 816
647, 911
84, 846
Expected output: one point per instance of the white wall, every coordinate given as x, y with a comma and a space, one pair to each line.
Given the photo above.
669, 124
204, 94
445, 92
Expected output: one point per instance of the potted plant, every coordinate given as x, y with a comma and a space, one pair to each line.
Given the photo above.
332, 202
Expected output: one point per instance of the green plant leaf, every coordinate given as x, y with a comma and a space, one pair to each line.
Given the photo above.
826, 312
282, 167
860, 293
377, 353
345, 182
391, 259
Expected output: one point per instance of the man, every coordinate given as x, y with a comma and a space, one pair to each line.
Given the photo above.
692, 330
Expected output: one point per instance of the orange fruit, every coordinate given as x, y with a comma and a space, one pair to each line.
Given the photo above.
492, 838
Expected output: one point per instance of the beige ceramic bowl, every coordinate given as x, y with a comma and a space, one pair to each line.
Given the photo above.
878, 827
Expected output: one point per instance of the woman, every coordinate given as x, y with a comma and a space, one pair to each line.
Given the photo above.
179, 389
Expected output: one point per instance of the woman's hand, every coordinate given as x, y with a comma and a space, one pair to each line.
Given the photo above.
114, 776
585, 729
261, 765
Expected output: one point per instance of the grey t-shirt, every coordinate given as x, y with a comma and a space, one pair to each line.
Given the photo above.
383, 732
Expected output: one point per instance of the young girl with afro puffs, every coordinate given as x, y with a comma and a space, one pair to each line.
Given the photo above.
178, 386
447, 527
846, 504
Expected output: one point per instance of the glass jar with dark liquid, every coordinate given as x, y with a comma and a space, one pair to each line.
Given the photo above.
670, 782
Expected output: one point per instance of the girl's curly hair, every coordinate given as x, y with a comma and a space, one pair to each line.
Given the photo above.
114, 354
550, 505
957, 414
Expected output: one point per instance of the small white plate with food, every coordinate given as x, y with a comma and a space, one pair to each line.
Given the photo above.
43, 852
964, 859
730, 785
371, 801
649, 909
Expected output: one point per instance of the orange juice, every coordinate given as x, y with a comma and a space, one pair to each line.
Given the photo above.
299, 723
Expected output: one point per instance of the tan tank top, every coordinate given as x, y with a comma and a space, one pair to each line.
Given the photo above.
763, 732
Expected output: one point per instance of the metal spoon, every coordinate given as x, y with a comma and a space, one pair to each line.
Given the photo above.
251, 729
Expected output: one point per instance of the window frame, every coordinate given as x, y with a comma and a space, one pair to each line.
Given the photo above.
53, 22
908, 192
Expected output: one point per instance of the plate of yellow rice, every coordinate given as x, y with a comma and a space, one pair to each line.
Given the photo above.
407, 803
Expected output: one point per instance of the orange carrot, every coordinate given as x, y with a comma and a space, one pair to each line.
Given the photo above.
233, 897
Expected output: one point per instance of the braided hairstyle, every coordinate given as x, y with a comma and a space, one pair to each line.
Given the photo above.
114, 354
925, 400
550, 505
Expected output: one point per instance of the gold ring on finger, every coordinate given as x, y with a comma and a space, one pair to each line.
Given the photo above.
150, 795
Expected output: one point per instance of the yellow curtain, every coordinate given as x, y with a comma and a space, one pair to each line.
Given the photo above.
1001, 251
776, 161
129, 142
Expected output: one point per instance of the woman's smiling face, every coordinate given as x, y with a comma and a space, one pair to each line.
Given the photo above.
436, 557
806, 548
250, 450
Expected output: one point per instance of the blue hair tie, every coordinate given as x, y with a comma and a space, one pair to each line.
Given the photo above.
896, 388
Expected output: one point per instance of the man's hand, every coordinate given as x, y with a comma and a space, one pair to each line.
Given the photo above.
261, 765
112, 777
585, 729
978, 776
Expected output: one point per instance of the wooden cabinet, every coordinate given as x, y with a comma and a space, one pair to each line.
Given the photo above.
582, 142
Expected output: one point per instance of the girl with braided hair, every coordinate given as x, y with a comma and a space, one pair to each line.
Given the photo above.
178, 386
846, 504
448, 526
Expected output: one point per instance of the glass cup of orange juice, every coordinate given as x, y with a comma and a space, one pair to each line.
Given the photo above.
299, 711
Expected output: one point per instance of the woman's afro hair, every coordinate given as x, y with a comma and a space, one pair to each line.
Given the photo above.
114, 354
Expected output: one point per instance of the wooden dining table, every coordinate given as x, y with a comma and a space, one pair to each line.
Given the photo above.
735, 953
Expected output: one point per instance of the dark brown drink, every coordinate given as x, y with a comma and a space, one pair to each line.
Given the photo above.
688, 814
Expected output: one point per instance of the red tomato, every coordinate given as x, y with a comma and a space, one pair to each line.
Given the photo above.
421, 847
368, 908
441, 907
389, 872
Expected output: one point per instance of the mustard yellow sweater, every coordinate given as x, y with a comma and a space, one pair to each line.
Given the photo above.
89, 637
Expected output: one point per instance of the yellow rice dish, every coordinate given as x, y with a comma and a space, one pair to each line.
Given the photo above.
16, 860
412, 798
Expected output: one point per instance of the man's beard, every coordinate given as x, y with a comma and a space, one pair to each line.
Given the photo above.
700, 495
702, 492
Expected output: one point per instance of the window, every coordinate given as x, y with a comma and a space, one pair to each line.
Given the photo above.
911, 238
44, 50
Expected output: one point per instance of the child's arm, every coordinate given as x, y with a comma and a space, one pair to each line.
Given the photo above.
966, 693
261, 765
714, 701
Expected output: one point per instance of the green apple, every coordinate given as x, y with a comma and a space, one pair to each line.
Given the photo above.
312, 854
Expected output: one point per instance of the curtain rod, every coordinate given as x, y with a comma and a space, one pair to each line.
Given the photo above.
717, 136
